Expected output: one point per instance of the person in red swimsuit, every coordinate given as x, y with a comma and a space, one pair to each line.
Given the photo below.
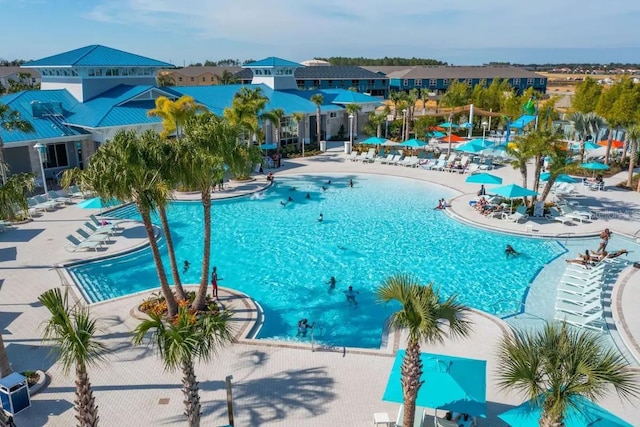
214, 282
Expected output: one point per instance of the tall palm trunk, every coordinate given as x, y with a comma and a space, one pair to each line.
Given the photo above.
632, 161
85, 402
172, 305
279, 135
5, 367
191, 393
609, 143
523, 173
200, 302
411, 373
547, 188
177, 284
318, 128
536, 173
548, 420
3, 167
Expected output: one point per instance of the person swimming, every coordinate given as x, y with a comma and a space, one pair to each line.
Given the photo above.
303, 327
320, 217
509, 251
332, 283
324, 188
351, 183
329, 182
351, 296
308, 196
185, 266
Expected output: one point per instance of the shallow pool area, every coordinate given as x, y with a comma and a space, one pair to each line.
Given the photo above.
283, 257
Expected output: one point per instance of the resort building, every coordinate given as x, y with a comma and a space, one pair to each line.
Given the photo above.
19, 75
438, 79
90, 93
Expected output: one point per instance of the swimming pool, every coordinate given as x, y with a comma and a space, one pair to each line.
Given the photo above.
283, 257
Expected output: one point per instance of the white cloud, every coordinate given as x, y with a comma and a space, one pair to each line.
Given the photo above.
332, 25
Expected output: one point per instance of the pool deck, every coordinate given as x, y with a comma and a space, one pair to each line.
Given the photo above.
274, 383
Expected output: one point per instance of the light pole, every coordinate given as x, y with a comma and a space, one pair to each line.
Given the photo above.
40, 149
404, 124
351, 130
484, 125
450, 127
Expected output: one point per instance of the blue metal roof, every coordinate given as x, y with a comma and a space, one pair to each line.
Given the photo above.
346, 97
271, 61
47, 126
96, 56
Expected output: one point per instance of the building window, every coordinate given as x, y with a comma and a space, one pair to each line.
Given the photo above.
332, 115
433, 82
405, 82
355, 82
530, 82
56, 156
203, 79
542, 81
445, 82
267, 72
316, 83
372, 82
516, 82
192, 79
469, 82
213, 79
179, 79
418, 82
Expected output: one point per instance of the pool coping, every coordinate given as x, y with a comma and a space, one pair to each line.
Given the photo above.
618, 315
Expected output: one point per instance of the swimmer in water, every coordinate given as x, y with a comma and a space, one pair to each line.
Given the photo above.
185, 266
308, 196
332, 283
320, 218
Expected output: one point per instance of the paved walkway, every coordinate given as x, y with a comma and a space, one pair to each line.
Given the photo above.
274, 383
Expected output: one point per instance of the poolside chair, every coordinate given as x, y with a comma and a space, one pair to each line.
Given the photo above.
579, 299
579, 213
582, 309
40, 206
394, 159
593, 320
385, 159
441, 422
361, 157
103, 229
54, 196
555, 215
429, 164
398, 161
520, 213
487, 163
113, 222
440, 165
74, 191
93, 237
370, 157
77, 244
352, 156
410, 162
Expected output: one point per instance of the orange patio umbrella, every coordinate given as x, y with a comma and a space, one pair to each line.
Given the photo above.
454, 138
614, 143
438, 128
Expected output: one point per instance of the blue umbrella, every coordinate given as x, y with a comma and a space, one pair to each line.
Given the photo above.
591, 146
484, 178
436, 134
374, 140
589, 414
470, 148
268, 146
412, 143
452, 383
466, 125
595, 166
448, 125
560, 178
481, 142
513, 191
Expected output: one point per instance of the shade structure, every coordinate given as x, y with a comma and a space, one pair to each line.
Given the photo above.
412, 143
594, 166
436, 128
560, 178
454, 138
470, 148
451, 383
614, 143
484, 178
513, 191
448, 125
389, 143
482, 142
268, 146
466, 125
436, 134
590, 414
374, 140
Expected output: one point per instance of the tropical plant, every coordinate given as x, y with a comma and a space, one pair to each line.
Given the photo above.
519, 150
126, 169
353, 109
165, 80
633, 135
585, 98
298, 118
458, 94
556, 364
72, 330
428, 318
13, 196
10, 120
374, 124
183, 341
581, 127
174, 113
317, 100
560, 161
275, 117
245, 111
227, 78
396, 98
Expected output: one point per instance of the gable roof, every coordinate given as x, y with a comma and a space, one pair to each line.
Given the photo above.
345, 97
96, 56
271, 61
466, 72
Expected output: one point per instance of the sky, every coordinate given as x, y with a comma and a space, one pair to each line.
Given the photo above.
460, 32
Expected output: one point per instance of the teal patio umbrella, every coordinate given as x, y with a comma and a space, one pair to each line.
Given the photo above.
469, 147
268, 146
588, 415
513, 191
595, 166
481, 142
451, 383
436, 134
465, 125
560, 178
448, 125
484, 178
412, 143
591, 146
374, 140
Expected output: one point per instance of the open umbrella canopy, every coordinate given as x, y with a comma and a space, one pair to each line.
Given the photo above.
374, 140
436, 134
438, 128
452, 383
560, 178
614, 143
590, 146
466, 125
412, 143
513, 191
470, 147
390, 143
268, 146
448, 125
590, 414
484, 178
594, 166
454, 138
481, 142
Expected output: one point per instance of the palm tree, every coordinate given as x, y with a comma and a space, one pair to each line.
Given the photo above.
227, 78
275, 117
245, 111
633, 135
174, 113
521, 154
125, 169
318, 100
164, 79
561, 160
556, 364
428, 318
10, 120
580, 125
72, 331
353, 109
13, 196
396, 97
299, 119
182, 342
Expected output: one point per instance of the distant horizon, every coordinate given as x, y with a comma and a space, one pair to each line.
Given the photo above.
459, 34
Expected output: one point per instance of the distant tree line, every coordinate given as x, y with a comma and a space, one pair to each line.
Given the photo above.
221, 63
342, 60
14, 63
585, 66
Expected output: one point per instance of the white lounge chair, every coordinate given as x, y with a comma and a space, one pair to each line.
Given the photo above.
383, 160
55, 197
581, 300
555, 215
441, 422
352, 156
370, 157
111, 221
520, 213
361, 157
103, 229
430, 163
593, 320
581, 309
398, 161
93, 237
77, 244
40, 205
394, 159
580, 215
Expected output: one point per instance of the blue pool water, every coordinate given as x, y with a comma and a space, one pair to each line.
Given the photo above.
282, 256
